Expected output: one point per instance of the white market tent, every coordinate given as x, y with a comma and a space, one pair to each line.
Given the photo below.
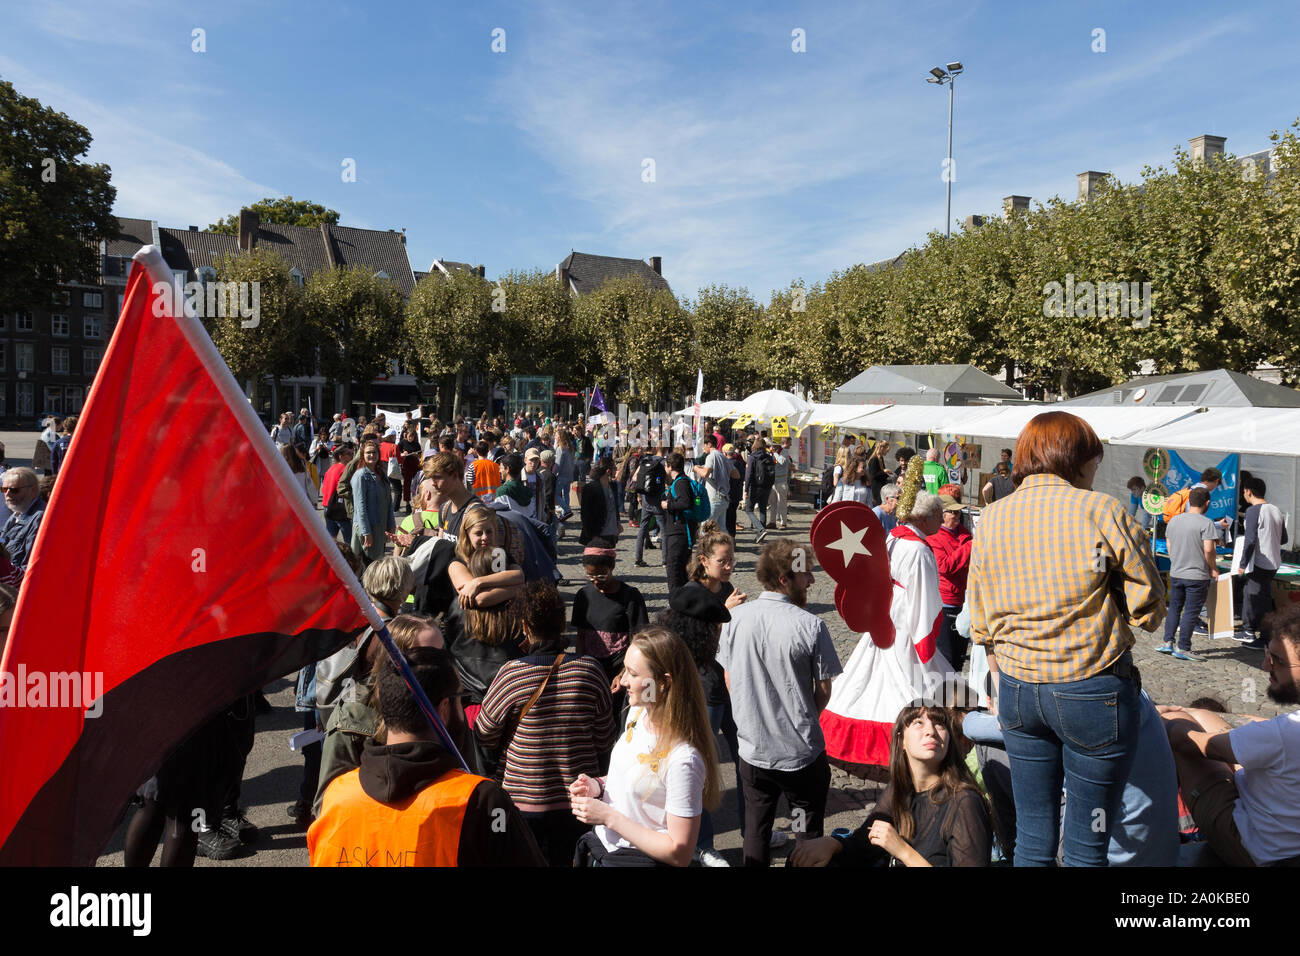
1268, 440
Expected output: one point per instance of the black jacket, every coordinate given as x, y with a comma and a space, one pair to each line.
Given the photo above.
493, 832
595, 511
545, 494
677, 499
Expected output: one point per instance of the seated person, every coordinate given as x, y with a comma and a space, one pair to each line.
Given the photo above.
1240, 783
931, 814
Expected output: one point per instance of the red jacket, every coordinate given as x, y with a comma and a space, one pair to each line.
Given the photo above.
952, 554
329, 486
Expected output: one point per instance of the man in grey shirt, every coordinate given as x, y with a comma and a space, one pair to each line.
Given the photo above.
779, 662
1261, 556
715, 473
1191, 537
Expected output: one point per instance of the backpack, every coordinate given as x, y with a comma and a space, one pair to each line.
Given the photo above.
1176, 503
700, 508
652, 479
766, 473
828, 483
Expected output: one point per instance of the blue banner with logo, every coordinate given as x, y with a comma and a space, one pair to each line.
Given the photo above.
1223, 500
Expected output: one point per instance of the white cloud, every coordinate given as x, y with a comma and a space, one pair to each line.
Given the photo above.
156, 175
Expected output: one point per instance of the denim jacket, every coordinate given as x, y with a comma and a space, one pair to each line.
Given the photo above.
372, 503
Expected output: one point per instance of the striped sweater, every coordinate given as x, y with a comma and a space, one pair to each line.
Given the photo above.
563, 735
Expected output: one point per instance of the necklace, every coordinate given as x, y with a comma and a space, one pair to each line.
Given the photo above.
652, 758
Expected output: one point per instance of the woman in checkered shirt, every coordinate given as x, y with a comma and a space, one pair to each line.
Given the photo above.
1059, 576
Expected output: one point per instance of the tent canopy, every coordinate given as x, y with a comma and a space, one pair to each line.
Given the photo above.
924, 385
1214, 388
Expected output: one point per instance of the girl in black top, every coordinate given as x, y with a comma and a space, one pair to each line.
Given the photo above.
877, 473
932, 813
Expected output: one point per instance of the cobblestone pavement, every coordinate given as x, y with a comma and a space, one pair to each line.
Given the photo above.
1230, 673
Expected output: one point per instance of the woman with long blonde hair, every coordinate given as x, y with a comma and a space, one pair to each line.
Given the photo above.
663, 772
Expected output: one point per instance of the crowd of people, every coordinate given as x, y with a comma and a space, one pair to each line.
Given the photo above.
1004, 715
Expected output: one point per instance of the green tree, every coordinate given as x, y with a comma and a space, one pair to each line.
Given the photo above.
1255, 263
449, 320
275, 341
54, 210
533, 330
284, 211
356, 319
723, 319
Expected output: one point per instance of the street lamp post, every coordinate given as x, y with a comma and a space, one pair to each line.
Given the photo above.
941, 76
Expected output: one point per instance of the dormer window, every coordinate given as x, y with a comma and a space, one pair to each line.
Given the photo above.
296, 276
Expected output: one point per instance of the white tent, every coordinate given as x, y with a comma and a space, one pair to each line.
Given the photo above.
764, 406
715, 409
1268, 440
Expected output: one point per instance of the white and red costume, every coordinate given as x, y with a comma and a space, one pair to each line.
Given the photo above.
878, 681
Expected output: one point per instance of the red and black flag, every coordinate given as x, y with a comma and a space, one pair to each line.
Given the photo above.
177, 568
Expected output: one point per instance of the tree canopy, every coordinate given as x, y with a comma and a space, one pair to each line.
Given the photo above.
54, 209
284, 211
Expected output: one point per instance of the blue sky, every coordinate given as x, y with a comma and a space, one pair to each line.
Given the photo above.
770, 165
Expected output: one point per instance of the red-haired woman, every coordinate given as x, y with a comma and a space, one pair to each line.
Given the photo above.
1059, 576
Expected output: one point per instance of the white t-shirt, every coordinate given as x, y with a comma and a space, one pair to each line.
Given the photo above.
644, 795
1268, 811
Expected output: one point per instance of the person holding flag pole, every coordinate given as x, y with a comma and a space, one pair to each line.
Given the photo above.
204, 627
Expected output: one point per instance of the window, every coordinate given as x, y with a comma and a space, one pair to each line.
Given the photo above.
92, 300
90, 359
53, 403
72, 399
59, 359
3, 349
59, 325
3, 390
4, 321
25, 395
23, 322
92, 327
62, 297
295, 275
24, 357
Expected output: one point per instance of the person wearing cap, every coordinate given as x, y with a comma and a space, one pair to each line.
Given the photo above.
532, 459
606, 613
951, 545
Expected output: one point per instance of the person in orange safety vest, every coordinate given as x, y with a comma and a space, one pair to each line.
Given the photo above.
409, 803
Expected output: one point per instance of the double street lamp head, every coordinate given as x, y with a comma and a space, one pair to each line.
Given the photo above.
940, 75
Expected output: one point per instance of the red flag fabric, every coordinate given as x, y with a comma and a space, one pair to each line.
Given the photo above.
177, 568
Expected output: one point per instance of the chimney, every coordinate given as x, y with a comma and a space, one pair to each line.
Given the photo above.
973, 222
562, 277
194, 228
481, 271
1088, 183
1012, 204
1205, 146
403, 235
657, 264
248, 222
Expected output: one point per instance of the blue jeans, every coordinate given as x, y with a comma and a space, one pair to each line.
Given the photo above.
1083, 733
1187, 594
562, 498
339, 528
